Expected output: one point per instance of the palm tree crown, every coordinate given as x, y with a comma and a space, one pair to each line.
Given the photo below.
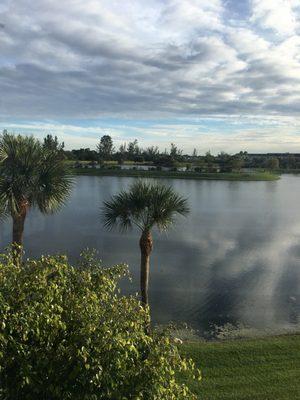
30, 175
144, 205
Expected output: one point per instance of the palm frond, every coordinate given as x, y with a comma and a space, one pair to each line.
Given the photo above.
116, 212
31, 173
144, 205
166, 204
53, 183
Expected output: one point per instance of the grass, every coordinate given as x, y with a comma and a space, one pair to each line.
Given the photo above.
232, 176
261, 369
288, 171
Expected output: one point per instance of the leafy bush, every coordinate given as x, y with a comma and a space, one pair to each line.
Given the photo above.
67, 333
198, 169
114, 167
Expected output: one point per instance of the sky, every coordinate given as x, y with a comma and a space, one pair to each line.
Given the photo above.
218, 75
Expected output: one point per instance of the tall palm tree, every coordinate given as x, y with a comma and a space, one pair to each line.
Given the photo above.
145, 205
30, 176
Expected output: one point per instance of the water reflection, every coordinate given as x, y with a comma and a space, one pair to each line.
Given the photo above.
235, 258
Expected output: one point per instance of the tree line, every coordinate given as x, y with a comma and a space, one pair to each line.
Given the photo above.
106, 150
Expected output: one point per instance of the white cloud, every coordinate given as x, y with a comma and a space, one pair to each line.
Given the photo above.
182, 16
277, 15
85, 59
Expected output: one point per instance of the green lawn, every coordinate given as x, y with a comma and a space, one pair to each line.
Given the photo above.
261, 369
232, 176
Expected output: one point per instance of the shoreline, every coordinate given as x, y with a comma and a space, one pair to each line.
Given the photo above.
226, 176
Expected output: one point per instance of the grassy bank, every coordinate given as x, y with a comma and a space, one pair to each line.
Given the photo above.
261, 369
232, 176
288, 171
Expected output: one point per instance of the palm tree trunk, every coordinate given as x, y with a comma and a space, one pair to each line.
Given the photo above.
146, 245
18, 229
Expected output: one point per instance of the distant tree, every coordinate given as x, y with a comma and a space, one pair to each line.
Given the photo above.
133, 150
69, 155
151, 153
273, 163
237, 163
31, 176
85, 154
121, 154
175, 153
51, 143
291, 161
195, 154
209, 160
122, 148
144, 206
258, 161
223, 157
224, 161
164, 160
105, 148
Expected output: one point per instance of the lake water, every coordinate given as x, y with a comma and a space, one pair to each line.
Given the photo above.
234, 259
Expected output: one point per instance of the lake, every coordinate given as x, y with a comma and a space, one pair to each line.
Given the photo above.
234, 259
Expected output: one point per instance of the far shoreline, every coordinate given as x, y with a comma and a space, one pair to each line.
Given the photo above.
217, 176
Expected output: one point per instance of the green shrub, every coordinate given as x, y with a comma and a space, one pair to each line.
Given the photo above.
67, 333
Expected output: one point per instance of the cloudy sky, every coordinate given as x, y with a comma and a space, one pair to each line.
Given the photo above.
211, 74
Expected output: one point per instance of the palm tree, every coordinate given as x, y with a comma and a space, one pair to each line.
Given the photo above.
145, 205
30, 176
